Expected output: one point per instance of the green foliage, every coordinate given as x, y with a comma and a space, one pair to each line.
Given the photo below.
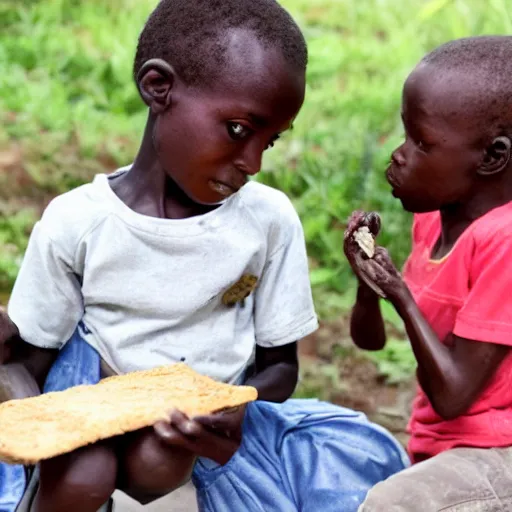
14, 230
68, 98
318, 382
395, 362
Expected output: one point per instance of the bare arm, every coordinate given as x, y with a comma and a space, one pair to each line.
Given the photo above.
366, 323
23, 367
277, 372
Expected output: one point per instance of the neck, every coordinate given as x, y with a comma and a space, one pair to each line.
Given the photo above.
147, 188
456, 218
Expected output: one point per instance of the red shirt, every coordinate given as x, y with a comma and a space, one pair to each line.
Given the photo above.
468, 293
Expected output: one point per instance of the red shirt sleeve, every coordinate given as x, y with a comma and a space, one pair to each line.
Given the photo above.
486, 314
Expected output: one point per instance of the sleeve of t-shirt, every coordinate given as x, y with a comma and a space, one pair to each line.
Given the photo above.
486, 314
284, 310
46, 302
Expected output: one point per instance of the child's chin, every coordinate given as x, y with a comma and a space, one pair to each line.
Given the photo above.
416, 207
209, 201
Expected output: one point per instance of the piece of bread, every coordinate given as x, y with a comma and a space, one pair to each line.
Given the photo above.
42, 427
365, 240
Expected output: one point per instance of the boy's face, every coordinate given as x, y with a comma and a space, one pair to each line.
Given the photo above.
211, 139
436, 165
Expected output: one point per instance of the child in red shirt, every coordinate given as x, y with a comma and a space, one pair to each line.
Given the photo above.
454, 171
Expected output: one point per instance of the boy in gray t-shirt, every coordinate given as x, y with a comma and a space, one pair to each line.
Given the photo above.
178, 257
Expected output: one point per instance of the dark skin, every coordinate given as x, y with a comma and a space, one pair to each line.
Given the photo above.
23, 367
200, 146
446, 163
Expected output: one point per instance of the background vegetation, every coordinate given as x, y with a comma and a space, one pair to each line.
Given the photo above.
69, 109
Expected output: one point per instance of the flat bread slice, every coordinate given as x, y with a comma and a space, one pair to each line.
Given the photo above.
42, 427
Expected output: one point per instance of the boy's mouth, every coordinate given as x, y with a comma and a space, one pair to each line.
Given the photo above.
222, 188
391, 178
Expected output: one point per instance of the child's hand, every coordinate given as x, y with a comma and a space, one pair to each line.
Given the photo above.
381, 271
7, 331
352, 250
191, 434
227, 422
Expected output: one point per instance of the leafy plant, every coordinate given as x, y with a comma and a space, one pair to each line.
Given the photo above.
395, 362
67, 97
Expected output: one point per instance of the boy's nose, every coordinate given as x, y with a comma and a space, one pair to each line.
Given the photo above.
250, 160
398, 156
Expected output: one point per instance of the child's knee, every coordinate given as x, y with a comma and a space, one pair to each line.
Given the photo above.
151, 469
87, 476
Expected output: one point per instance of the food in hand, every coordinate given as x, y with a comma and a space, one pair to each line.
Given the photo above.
42, 427
364, 237
365, 241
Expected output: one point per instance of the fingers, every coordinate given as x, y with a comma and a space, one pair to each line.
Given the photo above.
375, 271
178, 429
191, 435
213, 421
355, 221
181, 426
185, 425
381, 275
383, 258
372, 220
360, 218
226, 420
172, 436
381, 255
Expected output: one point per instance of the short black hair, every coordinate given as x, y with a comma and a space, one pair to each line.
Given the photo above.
188, 34
486, 65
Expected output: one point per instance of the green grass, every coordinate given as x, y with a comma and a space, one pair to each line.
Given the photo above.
68, 100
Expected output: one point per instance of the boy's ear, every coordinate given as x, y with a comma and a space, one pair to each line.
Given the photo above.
497, 157
155, 80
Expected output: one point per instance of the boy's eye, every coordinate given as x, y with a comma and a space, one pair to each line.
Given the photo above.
237, 131
422, 146
272, 141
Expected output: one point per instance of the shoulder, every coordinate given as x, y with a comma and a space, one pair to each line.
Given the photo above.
491, 235
68, 217
273, 211
494, 225
268, 203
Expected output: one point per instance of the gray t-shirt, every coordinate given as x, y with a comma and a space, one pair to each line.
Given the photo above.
149, 291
